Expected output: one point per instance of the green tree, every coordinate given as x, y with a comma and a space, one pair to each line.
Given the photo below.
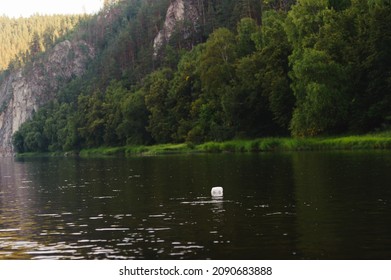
274, 51
318, 79
185, 89
133, 127
161, 124
370, 59
22, 38
278, 5
111, 107
244, 104
216, 74
339, 4
18, 141
91, 124
321, 100
246, 30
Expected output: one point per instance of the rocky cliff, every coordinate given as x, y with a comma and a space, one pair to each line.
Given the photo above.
182, 16
24, 90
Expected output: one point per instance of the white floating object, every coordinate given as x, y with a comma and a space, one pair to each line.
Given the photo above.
217, 191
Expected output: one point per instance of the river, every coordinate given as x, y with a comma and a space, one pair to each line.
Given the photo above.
299, 205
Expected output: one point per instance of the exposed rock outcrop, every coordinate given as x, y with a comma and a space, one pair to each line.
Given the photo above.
181, 16
23, 91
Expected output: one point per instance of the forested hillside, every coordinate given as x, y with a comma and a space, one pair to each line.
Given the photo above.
247, 69
22, 38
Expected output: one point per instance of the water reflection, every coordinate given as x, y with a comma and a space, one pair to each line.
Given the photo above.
275, 206
17, 221
339, 214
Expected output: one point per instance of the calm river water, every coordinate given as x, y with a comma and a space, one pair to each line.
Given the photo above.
308, 205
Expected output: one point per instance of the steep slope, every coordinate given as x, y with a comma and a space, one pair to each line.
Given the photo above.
182, 16
109, 105
114, 44
23, 91
21, 38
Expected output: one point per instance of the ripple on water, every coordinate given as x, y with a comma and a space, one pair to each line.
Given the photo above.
158, 215
180, 249
96, 218
54, 215
49, 233
280, 214
112, 229
153, 229
10, 229
203, 202
104, 197
60, 250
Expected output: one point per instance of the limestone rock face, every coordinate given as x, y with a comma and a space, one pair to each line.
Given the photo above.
179, 12
24, 90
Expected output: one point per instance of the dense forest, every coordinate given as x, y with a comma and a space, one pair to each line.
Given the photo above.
250, 69
23, 38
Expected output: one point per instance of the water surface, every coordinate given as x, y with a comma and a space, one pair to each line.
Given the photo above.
316, 205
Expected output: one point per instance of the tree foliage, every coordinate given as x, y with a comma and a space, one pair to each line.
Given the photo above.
306, 68
22, 38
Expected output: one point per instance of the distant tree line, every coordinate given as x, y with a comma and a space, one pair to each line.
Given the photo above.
315, 67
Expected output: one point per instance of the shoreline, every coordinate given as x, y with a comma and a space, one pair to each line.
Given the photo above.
380, 141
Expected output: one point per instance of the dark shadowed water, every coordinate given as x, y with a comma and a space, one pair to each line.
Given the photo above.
316, 205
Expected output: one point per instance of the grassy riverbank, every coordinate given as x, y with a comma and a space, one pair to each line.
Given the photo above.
363, 142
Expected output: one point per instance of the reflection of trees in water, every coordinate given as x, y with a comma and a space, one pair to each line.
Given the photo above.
315, 213
337, 205
288, 205
17, 220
